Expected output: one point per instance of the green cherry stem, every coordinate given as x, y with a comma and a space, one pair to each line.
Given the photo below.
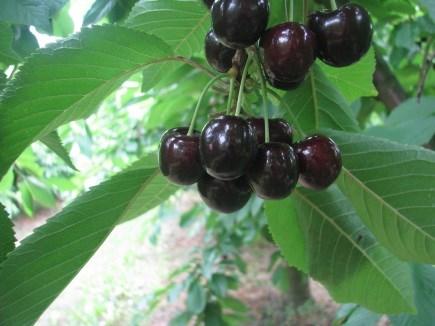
264, 94
292, 10
201, 97
304, 11
242, 85
333, 5
231, 95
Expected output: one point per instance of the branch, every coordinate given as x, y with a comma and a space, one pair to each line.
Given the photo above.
428, 57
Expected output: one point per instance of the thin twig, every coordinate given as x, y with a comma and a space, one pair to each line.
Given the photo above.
428, 57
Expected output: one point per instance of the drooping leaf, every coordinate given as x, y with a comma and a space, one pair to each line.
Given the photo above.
392, 188
412, 123
43, 265
424, 285
354, 81
196, 298
53, 141
317, 104
7, 54
7, 235
36, 12
78, 75
340, 252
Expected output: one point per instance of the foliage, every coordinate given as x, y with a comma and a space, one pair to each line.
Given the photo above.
365, 238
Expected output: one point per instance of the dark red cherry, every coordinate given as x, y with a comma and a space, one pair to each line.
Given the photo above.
343, 35
279, 130
224, 196
239, 23
227, 146
274, 172
319, 160
179, 157
208, 3
218, 55
289, 52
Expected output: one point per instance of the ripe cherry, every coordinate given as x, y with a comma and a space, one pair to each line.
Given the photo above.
218, 55
279, 130
343, 35
319, 160
227, 146
208, 3
239, 23
224, 196
179, 157
274, 171
289, 52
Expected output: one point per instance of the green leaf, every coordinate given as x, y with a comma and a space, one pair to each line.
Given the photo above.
3, 80
26, 198
40, 193
317, 104
53, 142
25, 42
392, 188
354, 315
219, 284
79, 74
356, 80
36, 12
213, 314
424, 285
340, 252
63, 24
7, 235
196, 298
181, 24
411, 123
99, 9
45, 262
182, 319
7, 54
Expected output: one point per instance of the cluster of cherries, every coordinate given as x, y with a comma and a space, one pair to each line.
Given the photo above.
233, 157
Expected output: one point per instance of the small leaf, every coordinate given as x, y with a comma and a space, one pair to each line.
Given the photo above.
219, 284
98, 10
391, 187
7, 235
40, 193
340, 252
26, 198
196, 298
53, 141
354, 315
46, 261
63, 24
213, 314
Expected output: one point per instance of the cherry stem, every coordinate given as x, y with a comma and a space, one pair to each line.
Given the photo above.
333, 5
230, 95
201, 97
242, 85
304, 11
264, 94
292, 10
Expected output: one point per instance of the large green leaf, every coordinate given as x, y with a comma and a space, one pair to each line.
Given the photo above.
317, 104
340, 252
424, 285
41, 267
412, 122
35, 12
354, 81
53, 141
7, 235
68, 83
392, 188
7, 55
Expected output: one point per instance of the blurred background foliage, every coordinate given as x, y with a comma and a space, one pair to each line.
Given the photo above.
129, 123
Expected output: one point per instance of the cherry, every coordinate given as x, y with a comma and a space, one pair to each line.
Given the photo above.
289, 52
343, 35
224, 196
279, 130
208, 3
319, 161
179, 157
227, 146
218, 55
239, 23
274, 172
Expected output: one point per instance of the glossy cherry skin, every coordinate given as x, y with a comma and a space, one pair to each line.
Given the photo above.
319, 160
343, 35
274, 172
224, 196
179, 158
289, 52
208, 3
227, 146
239, 23
219, 56
279, 130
